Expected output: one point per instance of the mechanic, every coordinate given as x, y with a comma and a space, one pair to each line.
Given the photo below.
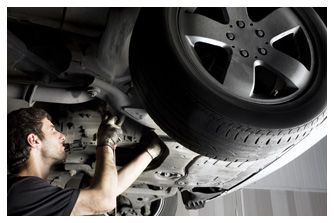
34, 146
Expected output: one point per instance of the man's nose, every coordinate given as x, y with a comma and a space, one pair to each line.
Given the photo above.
62, 136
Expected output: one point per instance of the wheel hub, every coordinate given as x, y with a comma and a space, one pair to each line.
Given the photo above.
248, 41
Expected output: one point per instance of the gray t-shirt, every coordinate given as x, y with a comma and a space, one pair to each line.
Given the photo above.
35, 196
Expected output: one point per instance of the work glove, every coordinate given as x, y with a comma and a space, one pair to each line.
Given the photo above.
109, 133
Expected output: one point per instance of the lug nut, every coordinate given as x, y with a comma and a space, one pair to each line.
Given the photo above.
259, 33
230, 36
262, 51
244, 53
181, 183
240, 24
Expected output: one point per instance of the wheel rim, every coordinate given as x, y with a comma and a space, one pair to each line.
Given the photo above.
264, 61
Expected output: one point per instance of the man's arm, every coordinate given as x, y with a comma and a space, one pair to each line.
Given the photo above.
129, 173
100, 197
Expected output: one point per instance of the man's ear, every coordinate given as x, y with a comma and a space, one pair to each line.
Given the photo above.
33, 140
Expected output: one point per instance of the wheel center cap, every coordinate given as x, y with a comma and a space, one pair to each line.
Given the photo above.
248, 40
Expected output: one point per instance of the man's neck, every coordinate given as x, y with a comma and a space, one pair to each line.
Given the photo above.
36, 167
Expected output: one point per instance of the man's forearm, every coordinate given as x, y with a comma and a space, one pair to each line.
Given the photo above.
129, 173
105, 177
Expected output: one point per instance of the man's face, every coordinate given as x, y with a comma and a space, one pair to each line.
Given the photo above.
53, 142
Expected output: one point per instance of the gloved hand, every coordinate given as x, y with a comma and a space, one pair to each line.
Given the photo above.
153, 148
109, 133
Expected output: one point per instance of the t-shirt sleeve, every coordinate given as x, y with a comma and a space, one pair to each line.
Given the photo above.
35, 196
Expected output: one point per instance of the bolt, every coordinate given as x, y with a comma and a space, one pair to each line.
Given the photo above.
72, 172
241, 24
262, 51
259, 33
244, 53
230, 36
93, 92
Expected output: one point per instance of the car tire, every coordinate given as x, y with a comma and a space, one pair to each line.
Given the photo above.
242, 115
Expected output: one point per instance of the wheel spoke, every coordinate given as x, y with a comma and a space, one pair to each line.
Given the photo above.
192, 40
189, 9
279, 23
237, 13
288, 67
201, 26
239, 79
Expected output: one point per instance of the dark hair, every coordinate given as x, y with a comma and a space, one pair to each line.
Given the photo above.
20, 124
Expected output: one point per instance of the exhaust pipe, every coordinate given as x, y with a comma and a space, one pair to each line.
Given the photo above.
33, 93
